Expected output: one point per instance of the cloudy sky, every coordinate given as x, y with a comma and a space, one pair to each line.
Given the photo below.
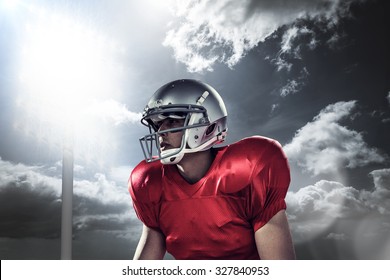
312, 74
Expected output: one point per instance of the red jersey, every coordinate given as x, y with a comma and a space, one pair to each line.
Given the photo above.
216, 217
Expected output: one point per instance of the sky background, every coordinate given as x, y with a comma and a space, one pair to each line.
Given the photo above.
313, 74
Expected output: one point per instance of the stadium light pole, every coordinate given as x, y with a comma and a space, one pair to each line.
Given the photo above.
67, 196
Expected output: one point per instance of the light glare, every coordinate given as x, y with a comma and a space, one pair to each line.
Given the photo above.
10, 4
66, 67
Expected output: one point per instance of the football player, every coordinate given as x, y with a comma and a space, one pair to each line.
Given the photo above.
197, 201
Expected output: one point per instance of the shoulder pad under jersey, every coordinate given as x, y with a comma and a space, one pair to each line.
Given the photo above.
145, 182
254, 148
242, 159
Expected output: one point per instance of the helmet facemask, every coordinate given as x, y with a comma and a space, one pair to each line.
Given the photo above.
195, 117
199, 135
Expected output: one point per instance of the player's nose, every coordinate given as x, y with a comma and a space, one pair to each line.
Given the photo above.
161, 133
163, 126
162, 137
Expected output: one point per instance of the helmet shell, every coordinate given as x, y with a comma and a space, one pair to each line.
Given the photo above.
187, 91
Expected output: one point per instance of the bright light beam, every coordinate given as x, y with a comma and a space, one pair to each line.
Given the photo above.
65, 66
9, 4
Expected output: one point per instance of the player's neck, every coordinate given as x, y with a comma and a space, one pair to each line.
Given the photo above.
194, 166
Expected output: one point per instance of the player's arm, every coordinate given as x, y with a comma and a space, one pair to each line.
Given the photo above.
151, 245
273, 240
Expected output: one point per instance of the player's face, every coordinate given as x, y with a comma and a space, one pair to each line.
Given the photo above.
170, 140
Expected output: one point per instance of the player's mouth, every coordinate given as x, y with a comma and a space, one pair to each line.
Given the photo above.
165, 146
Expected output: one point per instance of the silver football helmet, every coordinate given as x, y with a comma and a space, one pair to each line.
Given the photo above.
204, 114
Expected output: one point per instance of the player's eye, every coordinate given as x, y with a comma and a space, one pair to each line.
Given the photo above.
172, 122
157, 125
169, 123
174, 115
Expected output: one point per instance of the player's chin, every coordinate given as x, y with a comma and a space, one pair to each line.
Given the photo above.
168, 147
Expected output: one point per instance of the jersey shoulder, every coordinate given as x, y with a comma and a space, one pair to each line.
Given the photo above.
145, 181
254, 148
240, 161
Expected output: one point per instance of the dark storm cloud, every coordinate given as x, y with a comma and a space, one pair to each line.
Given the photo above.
25, 213
31, 203
327, 8
104, 224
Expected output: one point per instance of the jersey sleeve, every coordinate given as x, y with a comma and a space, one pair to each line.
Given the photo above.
144, 194
270, 182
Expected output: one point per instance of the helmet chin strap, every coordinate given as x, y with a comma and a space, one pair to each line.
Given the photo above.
176, 158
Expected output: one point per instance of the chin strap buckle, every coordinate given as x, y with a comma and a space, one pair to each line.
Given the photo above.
221, 137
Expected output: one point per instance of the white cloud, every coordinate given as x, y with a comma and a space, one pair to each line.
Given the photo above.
288, 46
288, 38
104, 191
383, 116
379, 198
315, 209
112, 112
334, 40
387, 120
101, 204
120, 174
274, 108
224, 31
388, 98
295, 85
281, 63
290, 88
20, 176
336, 236
324, 146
